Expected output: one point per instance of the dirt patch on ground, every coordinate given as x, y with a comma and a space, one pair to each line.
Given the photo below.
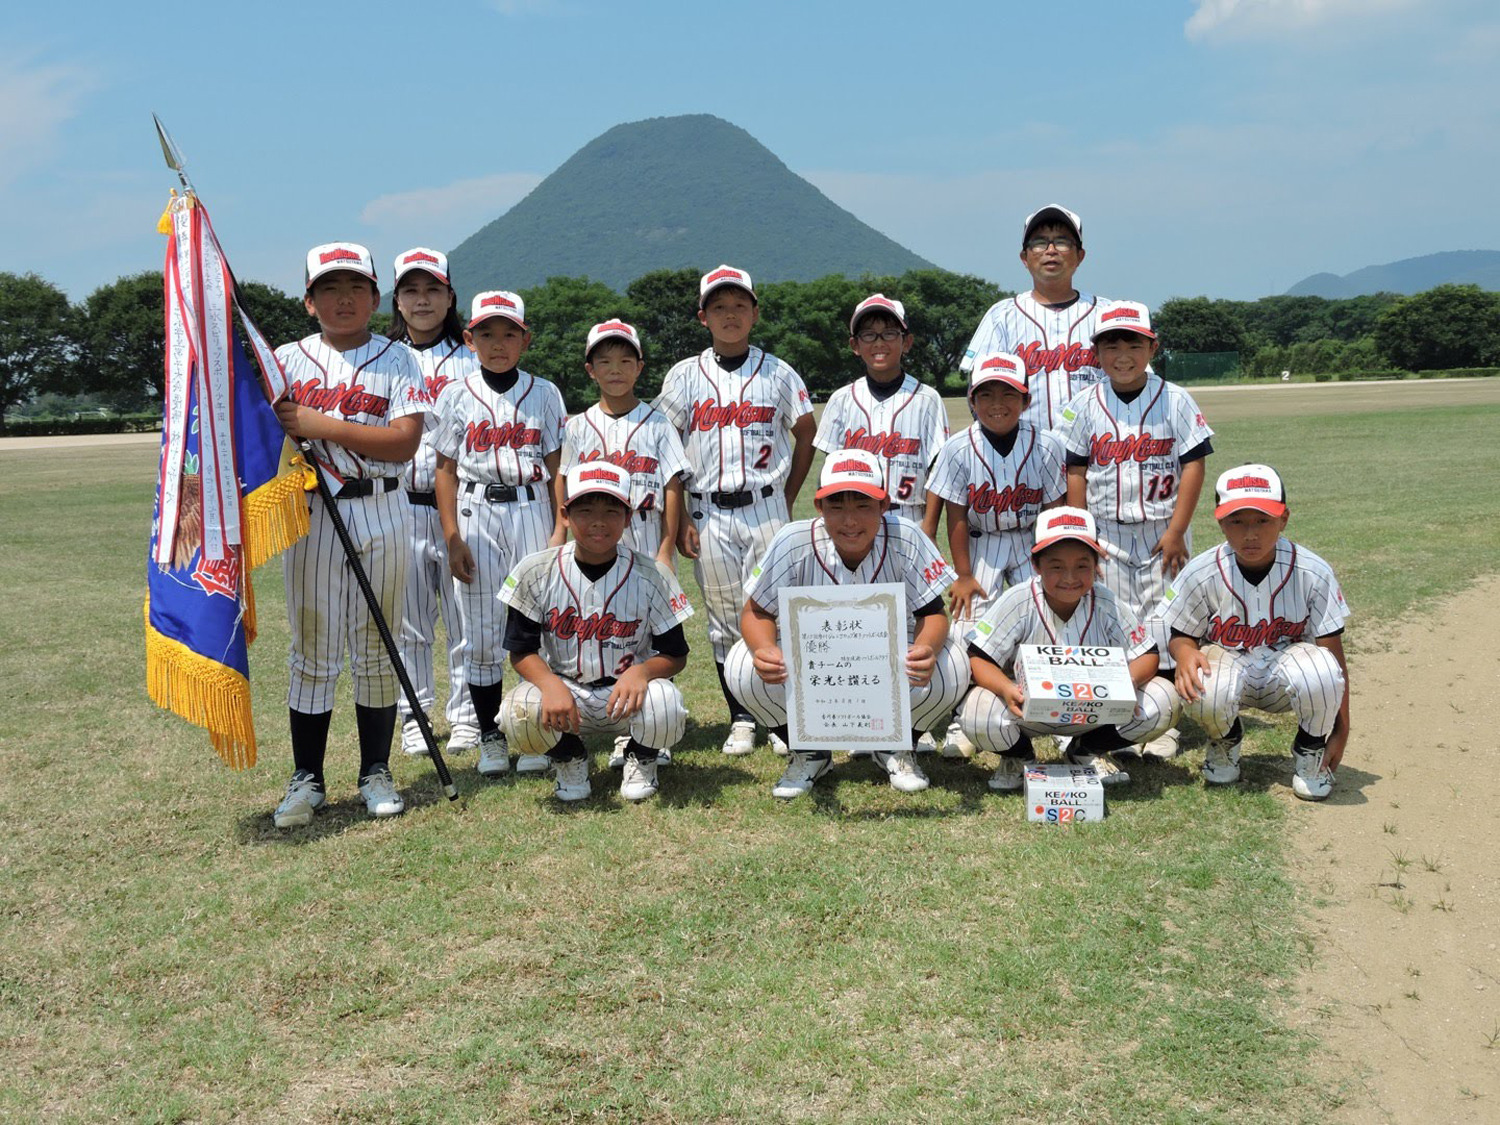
1404, 987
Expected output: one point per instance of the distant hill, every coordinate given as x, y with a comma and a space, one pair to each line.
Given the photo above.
672, 192
1410, 275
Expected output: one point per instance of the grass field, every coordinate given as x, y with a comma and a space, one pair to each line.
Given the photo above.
714, 955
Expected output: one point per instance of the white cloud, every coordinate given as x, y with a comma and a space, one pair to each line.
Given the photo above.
1269, 19
443, 216
35, 100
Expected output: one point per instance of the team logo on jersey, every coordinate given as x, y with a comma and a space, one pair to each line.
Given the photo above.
595, 627
1066, 357
353, 399
934, 572
678, 603
1231, 632
983, 628
881, 444
481, 437
622, 459
709, 415
1106, 449
1011, 498
219, 576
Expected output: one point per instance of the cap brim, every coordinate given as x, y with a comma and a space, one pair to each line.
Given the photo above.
478, 320
342, 268
597, 490
1146, 332
1051, 215
1092, 544
1006, 380
607, 337
848, 486
1260, 504
421, 269
712, 289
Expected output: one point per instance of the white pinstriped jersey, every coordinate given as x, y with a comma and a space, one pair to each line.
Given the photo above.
1021, 616
441, 364
736, 426
905, 430
1211, 600
591, 630
1056, 345
500, 439
802, 554
1002, 493
373, 384
1134, 449
643, 443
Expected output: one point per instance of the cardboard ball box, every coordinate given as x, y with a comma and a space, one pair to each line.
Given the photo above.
1074, 685
1057, 793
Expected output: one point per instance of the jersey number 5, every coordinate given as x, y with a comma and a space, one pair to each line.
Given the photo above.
904, 488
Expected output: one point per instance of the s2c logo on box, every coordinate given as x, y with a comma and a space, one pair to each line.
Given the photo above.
1064, 815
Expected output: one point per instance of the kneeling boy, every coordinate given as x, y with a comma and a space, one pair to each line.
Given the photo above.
594, 630
1274, 614
854, 540
1062, 605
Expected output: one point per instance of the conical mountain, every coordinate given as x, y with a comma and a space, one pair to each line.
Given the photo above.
672, 192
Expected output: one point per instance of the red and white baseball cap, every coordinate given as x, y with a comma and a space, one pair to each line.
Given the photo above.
1056, 524
498, 302
852, 470
1124, 316
724, 275
878, 302
333, 256
599, 476
612, 330
998, 367
1052, 213
434, 262
1249, 486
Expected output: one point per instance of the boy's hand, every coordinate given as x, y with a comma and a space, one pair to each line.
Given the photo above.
298, 420
1013, 697
687, 541
964, 591
770, 665
920, 661
1192, 669
461, 560
629, 694
1172, 547
559, 708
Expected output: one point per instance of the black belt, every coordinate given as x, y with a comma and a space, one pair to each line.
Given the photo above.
604, 681
425, 499
501, 493
367, 486
737, 499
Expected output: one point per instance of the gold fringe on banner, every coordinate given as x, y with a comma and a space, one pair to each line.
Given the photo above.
202, 691
275, 517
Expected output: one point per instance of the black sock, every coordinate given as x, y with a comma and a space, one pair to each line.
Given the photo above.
1235, 731
310, 741
376, 727
634, 749
737, 712
1309, 742
568, 747
1022, 749
487, 705
1100, 740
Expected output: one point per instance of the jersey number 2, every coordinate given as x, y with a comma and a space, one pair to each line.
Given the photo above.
763, 458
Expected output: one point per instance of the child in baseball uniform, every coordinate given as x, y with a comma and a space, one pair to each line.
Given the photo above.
888, 412
853, 539
1061, 604
747, 428
1258, 621
358, 399
594, 629
1136, 449
498, 439
994, 479
425, 318
1051, 325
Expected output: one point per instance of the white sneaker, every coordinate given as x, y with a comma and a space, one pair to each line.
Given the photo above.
304, 796
1009, 776
1221, 761
906, 776
1104, 765
1311, 779
639, 779
412, 741
801, 771
777, 745
1167, 746
617, 755
494, 755
741, 740
956, 743
462, 738
572, 779
926, 744
532, 764
378, 789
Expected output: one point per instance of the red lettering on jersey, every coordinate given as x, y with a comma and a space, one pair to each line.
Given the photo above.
1231, 632
353, 399
932, 573
219, 576
881, 444
435, 384
570, 623
679, 602
1108, 450
624, 459
1067, 357
709, 415
481, 437
1011, 498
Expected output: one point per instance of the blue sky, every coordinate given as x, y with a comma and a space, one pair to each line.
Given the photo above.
1219, 147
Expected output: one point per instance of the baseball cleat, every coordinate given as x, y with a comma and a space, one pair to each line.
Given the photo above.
1167, 746
1103, 764
639, 779
777, 745
905, 775
617, 755
1311, 779
531, 764
1009, 776
304, 797
956, 743
801, 771
462, 738
926, 744
571, 779
378, 789
494, 755
741, 740
1221, 761
412, 741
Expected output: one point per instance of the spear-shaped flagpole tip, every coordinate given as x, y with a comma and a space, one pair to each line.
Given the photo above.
171, 152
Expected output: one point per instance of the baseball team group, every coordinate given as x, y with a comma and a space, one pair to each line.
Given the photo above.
549, 543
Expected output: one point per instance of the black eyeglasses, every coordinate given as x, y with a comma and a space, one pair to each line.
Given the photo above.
1062, 242
890, 335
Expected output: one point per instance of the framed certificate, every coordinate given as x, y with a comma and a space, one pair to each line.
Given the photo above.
845, 651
